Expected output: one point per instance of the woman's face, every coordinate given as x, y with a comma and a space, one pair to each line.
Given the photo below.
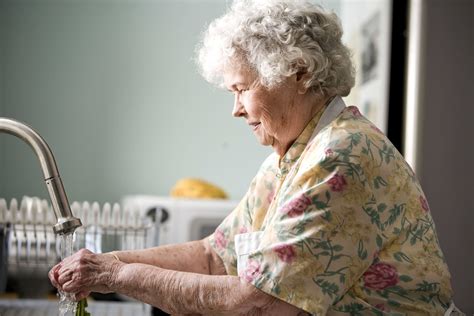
276, 115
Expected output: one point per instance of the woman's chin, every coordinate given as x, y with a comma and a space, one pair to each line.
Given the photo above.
271, 142
265, 141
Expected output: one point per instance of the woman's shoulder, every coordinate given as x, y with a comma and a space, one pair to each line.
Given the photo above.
351, 122
351, 131
353, 139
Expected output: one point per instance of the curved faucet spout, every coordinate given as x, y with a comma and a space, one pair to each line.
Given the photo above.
66, 222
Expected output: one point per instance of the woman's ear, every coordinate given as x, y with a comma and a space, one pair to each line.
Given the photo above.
302, 78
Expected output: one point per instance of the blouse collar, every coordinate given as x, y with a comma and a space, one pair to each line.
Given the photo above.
321, 119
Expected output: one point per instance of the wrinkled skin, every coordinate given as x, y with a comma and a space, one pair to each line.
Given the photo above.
276, 115
142, 275
85, 272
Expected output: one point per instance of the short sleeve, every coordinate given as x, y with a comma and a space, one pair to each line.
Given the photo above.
222, 240
319, 240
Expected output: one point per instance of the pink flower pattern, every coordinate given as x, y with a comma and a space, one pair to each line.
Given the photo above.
252, 271
220, 239
243, 230
270, 196
337, 182
424, 204
382, 307
355, 111
380, 275
328, 152
296, 206
285, 252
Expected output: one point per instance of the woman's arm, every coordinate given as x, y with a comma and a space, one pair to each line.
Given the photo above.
194, 256
173, 291
184, 293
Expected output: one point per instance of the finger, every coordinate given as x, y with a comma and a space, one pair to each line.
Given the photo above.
53, 275
66, 261
64, 267
79, 296
64, 277
71, 287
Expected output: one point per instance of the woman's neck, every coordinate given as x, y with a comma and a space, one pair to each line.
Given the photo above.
302, 119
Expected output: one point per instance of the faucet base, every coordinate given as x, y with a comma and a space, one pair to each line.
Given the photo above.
66, 225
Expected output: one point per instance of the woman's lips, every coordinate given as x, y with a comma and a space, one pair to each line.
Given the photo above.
255, 126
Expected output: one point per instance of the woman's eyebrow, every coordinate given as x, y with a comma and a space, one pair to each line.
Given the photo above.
233, 87
239, 83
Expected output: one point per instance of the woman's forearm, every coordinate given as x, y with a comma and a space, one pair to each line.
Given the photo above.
173, 291
194, 256
183, 292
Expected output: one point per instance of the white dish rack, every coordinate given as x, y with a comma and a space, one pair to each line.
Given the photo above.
30, 244
29, 307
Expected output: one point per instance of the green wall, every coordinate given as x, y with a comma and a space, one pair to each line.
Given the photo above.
113, 89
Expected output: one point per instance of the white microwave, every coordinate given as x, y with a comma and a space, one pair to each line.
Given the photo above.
182, 220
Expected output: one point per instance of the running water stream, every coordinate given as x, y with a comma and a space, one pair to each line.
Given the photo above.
67, 305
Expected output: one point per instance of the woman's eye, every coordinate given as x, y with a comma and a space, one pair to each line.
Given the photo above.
239, 91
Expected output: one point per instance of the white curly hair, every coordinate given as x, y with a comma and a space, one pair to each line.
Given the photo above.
279, 38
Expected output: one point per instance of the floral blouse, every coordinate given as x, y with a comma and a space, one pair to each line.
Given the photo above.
339, 225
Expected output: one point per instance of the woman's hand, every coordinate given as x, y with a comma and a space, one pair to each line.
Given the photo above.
85, 272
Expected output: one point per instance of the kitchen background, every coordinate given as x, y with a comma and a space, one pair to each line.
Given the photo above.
112, 87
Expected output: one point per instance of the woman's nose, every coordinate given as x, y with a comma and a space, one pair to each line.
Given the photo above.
238, 109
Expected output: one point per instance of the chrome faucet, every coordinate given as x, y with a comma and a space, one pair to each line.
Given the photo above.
66, 222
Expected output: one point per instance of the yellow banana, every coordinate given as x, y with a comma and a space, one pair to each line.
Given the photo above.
197, 189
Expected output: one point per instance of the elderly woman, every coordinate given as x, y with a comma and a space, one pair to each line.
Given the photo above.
335, 221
